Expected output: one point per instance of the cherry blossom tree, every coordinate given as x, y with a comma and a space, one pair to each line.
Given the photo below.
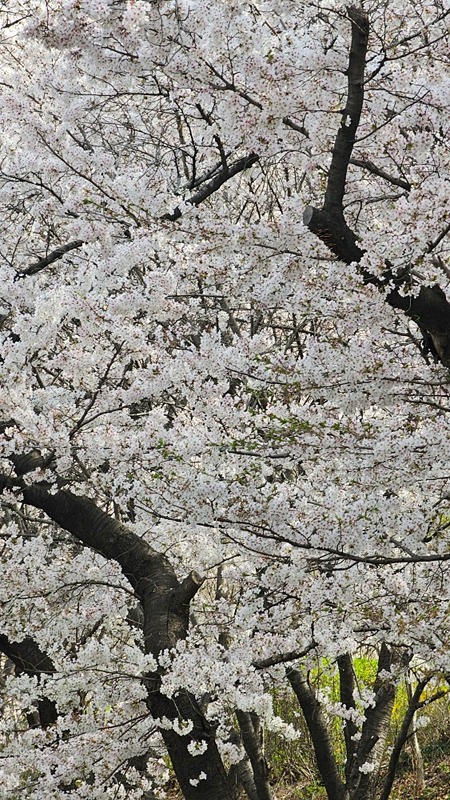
225, 342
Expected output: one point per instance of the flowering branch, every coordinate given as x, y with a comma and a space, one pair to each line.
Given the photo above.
430, 308
224, 175
55, 255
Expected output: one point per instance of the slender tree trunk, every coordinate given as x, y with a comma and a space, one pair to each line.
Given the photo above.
363, 785
320, 735
415, 746
249, 726
346, 692
402, 736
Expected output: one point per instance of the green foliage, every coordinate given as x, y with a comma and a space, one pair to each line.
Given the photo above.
293, 763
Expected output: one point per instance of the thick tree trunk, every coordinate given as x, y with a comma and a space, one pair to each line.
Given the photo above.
165, 602
429, 307
184, 708
30, 660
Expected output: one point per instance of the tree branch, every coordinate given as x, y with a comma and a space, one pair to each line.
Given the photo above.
224, 175
189, 587
55, 255
430, 309
351, 114
290, 123
328, 223
332, 229
283, 658
27, 462
402, 736
381, 173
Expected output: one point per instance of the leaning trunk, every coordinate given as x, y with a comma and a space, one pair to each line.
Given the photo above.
165, 602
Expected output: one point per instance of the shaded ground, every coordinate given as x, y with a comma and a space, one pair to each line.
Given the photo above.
437, 782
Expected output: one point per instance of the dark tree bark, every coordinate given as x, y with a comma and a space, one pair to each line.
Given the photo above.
225, 174
210, 188
375, 729
428, 307
320, 735
28, 659
55, 255
346, 689
251, 738
328, 223
165, 602
413, 705
358, 785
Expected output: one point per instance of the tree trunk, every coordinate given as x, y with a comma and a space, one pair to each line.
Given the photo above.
249, 727
320, 736
30, 660
363, 785
165, 602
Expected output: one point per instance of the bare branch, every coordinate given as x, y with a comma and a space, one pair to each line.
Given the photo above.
381, 173
55, 255
224, 175
283, 658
